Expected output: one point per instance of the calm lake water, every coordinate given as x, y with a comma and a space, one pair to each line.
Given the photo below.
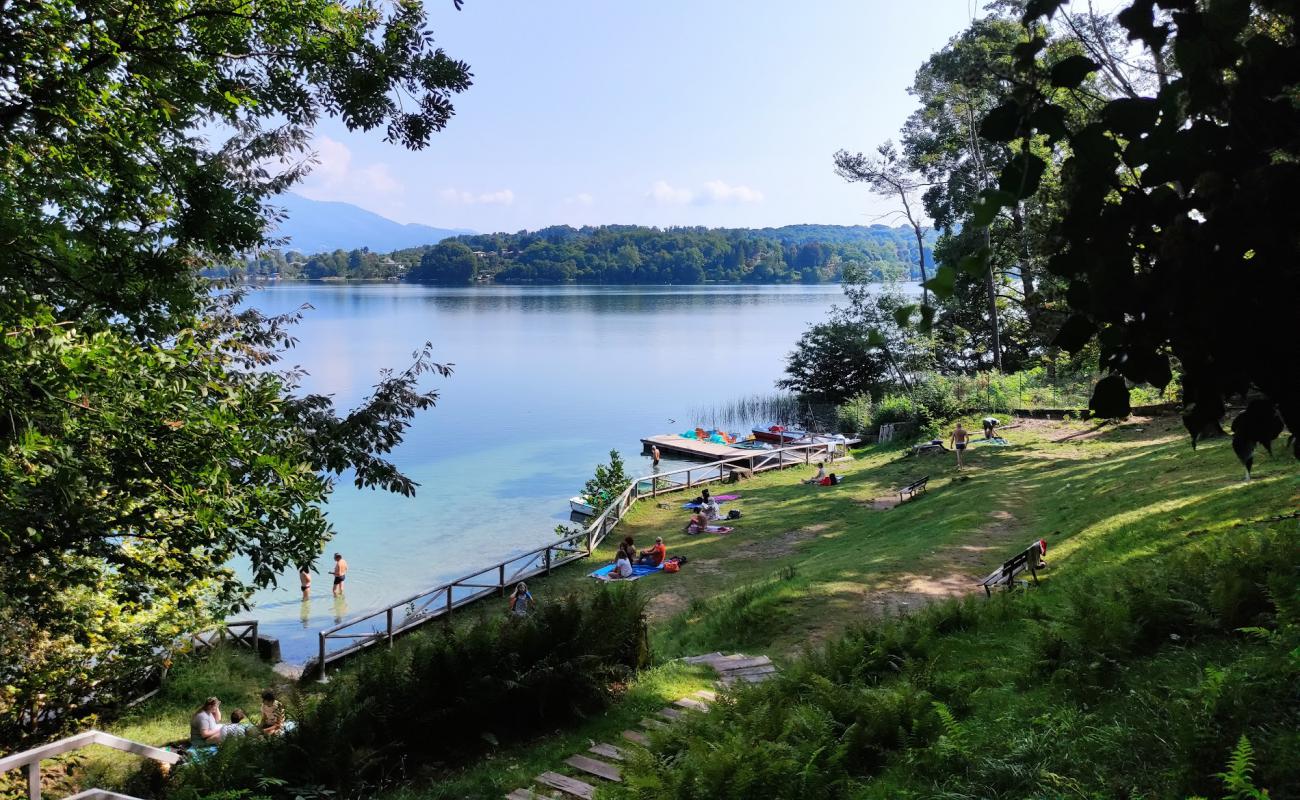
547, 380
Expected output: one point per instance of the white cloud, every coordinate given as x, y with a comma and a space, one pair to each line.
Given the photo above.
712, 193
501, 197
666, 195
721, 192
580, 199
337, 177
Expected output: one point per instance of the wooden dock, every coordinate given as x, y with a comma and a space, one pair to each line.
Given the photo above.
694, 448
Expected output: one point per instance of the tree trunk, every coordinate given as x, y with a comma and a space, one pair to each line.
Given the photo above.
995, 329
920, 247
1032, 301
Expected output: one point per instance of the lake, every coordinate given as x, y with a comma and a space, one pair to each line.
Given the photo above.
547, 380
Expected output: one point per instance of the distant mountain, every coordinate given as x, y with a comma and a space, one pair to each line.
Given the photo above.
316, 226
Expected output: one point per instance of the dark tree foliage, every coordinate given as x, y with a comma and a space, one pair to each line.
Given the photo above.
1180, 232
450, 263
147, 437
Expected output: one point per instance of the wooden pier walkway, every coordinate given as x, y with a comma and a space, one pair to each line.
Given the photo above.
694, 448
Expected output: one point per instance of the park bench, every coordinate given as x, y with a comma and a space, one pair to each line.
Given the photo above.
928, 447
913, 489
1005, 575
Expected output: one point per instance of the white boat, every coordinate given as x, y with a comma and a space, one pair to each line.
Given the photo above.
581, 506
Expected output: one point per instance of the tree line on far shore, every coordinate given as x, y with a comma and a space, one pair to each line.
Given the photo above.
621, 254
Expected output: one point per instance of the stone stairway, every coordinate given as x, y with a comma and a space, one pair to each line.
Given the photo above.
550, 785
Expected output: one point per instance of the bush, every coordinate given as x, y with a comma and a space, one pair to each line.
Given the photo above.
855, 414
893, 408
444, 696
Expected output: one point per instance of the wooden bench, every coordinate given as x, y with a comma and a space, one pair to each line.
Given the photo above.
913, 489
928, 447
1005, 575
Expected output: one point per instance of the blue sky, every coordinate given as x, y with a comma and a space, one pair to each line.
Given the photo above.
655, 112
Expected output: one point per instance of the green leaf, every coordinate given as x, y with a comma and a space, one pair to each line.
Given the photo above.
1110, 398
927, 319
1130, 116
1077, 331
976, 263
1040, 8
1021, 176
1050, 121
1002, 124
1070, 72
943, 282
986, 207
903, 315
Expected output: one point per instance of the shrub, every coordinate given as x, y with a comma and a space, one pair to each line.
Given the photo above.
855, 414
444, 696
893, 408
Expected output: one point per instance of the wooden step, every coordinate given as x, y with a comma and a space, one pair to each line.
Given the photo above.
567, 785
748, 678
766, 669
592, 766
742, 663
704, 659
648, 722
637, 737
688, 703
523, 794
670, 713
606, 750
707, 695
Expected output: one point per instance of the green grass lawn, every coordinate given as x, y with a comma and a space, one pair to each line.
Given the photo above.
806, 563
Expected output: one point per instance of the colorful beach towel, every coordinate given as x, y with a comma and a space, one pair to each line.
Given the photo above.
638, 571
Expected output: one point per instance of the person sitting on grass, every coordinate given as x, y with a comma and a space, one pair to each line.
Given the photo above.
205, 728
699, 522
829, 480
273, 715
622, 566
654, 556
237, 726
821, 473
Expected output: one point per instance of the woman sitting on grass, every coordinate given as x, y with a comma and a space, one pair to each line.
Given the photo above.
821, 473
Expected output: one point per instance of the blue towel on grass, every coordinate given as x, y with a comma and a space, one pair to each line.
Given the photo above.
638, 571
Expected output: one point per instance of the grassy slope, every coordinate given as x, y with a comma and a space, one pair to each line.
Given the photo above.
807, 562
1115, 495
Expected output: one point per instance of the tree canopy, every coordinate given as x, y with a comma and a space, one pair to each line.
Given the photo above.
148, 436
1178, 239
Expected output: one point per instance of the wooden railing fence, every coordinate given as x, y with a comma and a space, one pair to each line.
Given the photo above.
438, 602
31, 760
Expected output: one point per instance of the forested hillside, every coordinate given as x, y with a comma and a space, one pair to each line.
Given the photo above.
624, 254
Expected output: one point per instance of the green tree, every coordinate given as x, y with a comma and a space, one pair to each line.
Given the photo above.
451, 263
1178, 236
148, 436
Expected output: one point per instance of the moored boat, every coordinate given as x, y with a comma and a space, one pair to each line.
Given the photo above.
778, 434
581, 506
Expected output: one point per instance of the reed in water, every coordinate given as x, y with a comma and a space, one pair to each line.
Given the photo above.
785, 409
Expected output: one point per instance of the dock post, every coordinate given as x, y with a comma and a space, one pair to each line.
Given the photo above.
501, 577
322, 657
390, 627
548, 561
688, 479
448, 601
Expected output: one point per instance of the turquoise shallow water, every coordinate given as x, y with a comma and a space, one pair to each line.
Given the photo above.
547, 380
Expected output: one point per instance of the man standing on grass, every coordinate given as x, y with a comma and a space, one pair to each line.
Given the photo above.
340, 573
958, 440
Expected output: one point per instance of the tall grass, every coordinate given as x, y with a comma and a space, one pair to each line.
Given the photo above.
440, 698
1139, 684
742, 414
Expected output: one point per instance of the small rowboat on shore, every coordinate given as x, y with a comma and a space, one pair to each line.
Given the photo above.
581, 506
